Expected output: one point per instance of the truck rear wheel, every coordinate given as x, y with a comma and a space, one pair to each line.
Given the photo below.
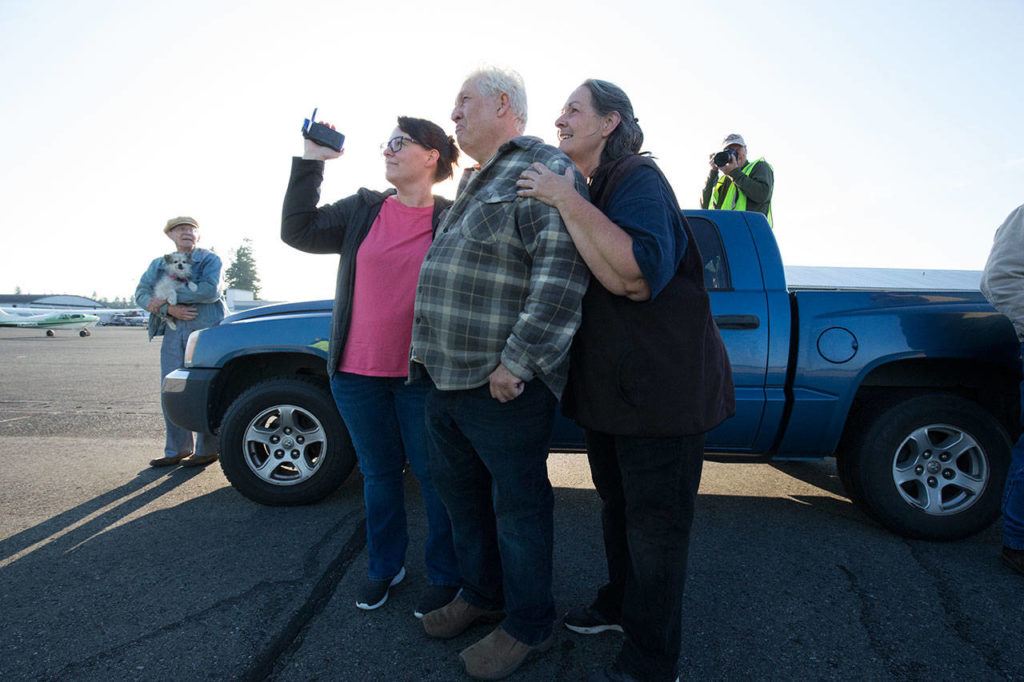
283, 443
930, 466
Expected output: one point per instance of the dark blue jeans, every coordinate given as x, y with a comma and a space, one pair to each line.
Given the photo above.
180, 441
490, 466
648, 487
1013, 492
385, 418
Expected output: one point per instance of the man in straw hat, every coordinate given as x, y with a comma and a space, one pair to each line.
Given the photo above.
195, 309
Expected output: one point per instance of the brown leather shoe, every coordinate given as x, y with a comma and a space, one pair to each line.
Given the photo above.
167, 461
198, 461
454, 617
499, 654
1014, 558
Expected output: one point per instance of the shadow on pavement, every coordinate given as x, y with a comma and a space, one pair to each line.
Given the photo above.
202, 589
127, 498
221, 588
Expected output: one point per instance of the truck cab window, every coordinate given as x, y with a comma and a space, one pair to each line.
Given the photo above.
716, 267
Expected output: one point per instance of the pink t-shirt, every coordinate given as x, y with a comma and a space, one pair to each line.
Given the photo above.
387, 269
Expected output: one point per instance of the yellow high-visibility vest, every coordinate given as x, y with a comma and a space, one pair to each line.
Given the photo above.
735, 200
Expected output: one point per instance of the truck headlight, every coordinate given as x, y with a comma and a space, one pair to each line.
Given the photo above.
190, 347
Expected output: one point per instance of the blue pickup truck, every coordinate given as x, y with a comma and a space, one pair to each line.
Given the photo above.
913, 391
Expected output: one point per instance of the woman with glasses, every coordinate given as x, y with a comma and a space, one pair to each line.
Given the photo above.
382, 238
648, 374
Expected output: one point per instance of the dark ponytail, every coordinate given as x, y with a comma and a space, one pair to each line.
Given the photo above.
431, 136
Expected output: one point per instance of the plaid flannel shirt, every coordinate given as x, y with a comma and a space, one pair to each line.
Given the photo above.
502, 282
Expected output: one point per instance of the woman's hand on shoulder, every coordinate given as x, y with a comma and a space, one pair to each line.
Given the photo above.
541, 183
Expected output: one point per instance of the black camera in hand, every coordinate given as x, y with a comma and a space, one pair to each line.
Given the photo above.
325, 136
723, 157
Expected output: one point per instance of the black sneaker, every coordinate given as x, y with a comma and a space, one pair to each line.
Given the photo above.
434, 597
587, 620
373, 593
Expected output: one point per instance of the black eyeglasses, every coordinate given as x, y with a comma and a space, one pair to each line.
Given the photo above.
396, 143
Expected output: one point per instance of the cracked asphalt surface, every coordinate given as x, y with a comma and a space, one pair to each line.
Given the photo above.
111, 570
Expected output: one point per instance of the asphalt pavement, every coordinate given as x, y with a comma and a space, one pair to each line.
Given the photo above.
111, 570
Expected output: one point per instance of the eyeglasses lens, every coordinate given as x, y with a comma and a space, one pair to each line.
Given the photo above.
394, 145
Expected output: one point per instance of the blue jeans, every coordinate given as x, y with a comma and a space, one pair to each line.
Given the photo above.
179, 441
490, 464
385, 419
648, 487
1013, 492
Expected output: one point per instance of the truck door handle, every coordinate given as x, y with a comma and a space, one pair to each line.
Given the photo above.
737, 321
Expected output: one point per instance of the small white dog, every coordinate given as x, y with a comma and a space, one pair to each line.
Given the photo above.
177, 275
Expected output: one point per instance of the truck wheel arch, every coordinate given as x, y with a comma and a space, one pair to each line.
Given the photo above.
986, 383
241, 372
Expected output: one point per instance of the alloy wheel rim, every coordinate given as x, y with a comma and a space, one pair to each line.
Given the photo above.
284, 445
940, 469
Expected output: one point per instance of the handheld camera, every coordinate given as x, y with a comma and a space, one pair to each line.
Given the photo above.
723, 157
321, 134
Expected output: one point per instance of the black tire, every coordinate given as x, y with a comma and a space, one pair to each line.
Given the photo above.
930, 466
847, 478
282, 442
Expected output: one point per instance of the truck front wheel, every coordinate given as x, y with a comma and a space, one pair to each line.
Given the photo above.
930, 466
283, 443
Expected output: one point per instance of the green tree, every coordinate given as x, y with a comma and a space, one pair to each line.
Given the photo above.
241, 274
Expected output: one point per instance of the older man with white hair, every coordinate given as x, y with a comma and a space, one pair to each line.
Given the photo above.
497, 304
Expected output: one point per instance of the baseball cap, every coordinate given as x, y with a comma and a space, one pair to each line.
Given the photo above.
180, 220
734, 138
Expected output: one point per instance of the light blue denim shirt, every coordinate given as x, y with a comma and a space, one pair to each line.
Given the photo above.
206, 267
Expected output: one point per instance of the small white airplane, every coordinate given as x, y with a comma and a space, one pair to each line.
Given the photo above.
51, 321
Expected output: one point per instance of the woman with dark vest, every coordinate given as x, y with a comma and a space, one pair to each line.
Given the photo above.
648, 375
383, 238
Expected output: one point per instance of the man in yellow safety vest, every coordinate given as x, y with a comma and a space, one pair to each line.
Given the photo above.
743, 185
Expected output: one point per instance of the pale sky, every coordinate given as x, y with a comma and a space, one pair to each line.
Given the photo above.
894, 128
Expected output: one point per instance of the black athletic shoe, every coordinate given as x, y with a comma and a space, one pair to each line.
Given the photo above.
434, 597
587, 620
373, 593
